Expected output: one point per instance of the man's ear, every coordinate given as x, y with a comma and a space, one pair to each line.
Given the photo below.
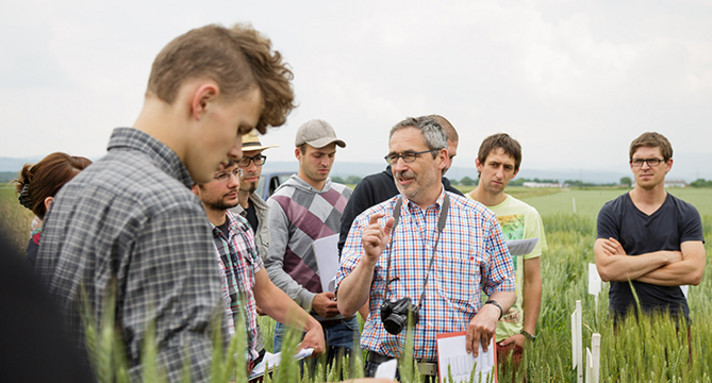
478, 165
298, 153
443, 156
668, 165
206, 94
196, 190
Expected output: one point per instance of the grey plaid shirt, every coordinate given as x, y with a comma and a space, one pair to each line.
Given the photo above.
131, 217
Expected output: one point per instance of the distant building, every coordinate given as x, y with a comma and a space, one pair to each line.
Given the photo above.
544, 185
676, 184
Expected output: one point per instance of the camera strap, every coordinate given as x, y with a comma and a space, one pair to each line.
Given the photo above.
442, 219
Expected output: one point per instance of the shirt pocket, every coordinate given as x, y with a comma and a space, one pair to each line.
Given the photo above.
457, 280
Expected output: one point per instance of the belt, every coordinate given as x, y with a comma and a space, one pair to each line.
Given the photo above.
424, 368
334, 322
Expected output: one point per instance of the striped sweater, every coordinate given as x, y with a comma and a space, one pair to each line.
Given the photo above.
299, 214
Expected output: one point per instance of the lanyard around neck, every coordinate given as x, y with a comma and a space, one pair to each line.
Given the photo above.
442, 219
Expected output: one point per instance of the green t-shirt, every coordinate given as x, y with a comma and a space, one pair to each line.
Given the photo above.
518, 221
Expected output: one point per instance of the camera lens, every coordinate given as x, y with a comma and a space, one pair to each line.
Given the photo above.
394, 323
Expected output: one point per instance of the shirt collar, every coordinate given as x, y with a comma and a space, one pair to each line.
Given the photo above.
231, 222
438, 202
164, 157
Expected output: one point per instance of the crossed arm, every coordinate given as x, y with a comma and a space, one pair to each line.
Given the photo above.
663, 267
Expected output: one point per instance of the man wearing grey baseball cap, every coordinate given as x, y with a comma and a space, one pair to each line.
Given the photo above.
305, 208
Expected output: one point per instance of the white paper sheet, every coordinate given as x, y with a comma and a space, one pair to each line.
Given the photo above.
271, 361
326, 252
387, 369
521, 246
452, 352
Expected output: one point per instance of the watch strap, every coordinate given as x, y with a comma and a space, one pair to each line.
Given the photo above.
528, 335
493, 302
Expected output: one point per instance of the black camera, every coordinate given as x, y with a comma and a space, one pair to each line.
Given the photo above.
394, 314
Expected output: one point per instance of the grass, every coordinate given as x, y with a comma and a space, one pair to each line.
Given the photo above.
647, 349
15, 219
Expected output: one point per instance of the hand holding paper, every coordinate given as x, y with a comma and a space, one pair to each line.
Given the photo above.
452, 355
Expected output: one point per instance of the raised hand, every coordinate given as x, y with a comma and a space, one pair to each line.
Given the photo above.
375, 238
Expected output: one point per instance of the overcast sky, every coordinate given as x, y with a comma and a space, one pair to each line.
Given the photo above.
573, 81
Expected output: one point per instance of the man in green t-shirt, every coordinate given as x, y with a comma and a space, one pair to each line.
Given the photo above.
498, 162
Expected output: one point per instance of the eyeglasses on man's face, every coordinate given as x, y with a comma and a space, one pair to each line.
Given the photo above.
225, 176
258, 160
652, 162
407, 156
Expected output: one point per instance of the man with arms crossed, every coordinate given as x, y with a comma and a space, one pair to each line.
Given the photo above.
498, 163
247, 281
382, 263
649, 237
305, 208
129, 229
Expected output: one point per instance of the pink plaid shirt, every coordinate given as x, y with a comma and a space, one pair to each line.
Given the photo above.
240, 263
471, 257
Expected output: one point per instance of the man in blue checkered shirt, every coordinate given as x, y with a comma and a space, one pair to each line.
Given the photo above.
442, 253
130, 230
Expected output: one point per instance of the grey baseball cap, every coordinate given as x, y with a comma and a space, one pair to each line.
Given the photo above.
317, 134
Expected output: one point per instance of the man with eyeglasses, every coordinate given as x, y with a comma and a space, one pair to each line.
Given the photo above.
245, 277
442, 254
307, 207
252, 207
649, 238
376, 188
497, 163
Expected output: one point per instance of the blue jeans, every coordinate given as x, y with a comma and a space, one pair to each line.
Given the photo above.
340, 338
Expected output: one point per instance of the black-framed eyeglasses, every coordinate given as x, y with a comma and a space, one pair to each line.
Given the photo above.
652, 162
225, 176
407, 156
258, 160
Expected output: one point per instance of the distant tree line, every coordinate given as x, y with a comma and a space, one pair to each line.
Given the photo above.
6, 177
701, 183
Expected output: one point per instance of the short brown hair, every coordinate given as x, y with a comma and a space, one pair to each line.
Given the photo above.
37, 182
235, 58
509, 145
652, 140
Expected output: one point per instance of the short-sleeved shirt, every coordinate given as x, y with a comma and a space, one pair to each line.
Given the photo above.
240, 262
675, 222
518, 220
471, 257
130, 221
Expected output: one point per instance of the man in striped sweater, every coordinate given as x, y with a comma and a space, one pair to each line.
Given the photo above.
307, 207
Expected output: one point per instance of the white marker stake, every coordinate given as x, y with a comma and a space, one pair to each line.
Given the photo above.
573, 340
596, 347
594, 283
576, 348
573, 202
589, 366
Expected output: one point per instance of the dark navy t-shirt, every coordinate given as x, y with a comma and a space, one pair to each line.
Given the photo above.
676, 221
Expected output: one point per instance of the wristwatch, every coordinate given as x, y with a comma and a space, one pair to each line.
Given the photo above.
501, 312
528, 335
